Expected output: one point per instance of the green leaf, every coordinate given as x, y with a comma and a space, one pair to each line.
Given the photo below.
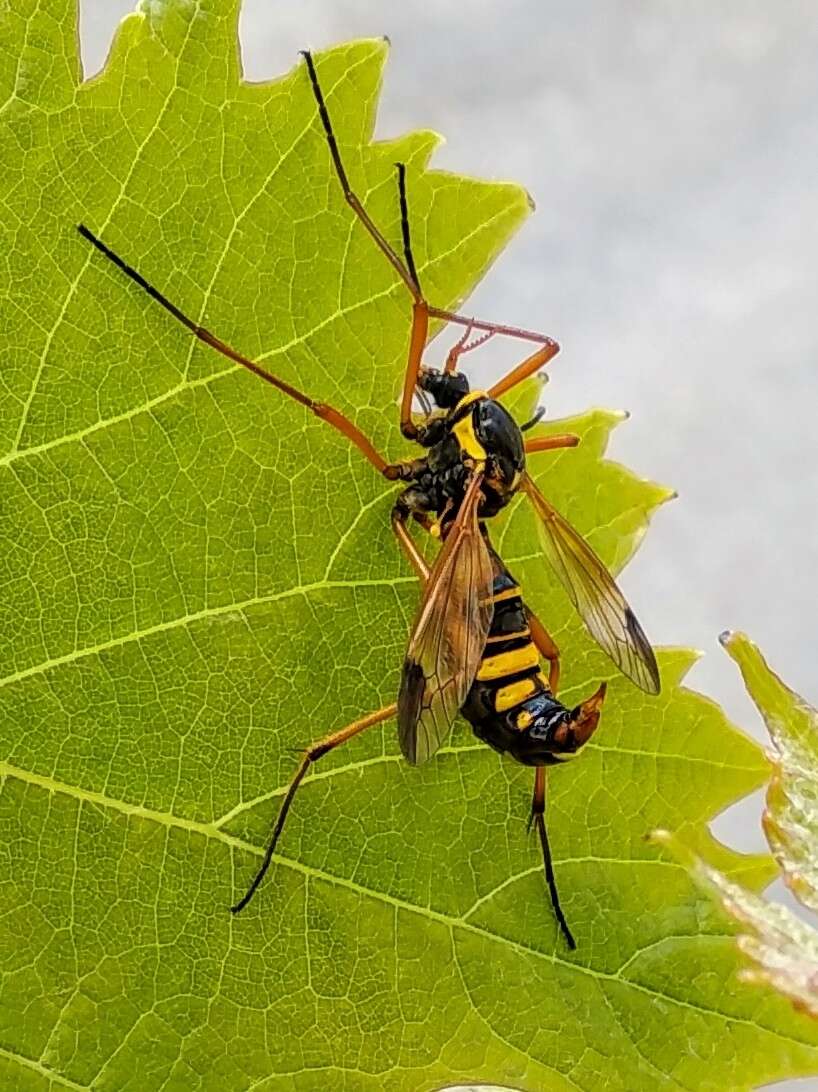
791, 816
782, 950
199, 577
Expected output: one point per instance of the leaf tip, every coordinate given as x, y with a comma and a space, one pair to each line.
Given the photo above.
682, 853
677, 662
777, 703
742, 651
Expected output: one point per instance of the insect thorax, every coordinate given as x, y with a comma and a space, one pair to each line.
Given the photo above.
479, 431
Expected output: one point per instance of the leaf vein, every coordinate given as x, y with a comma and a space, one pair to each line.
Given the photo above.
449, 921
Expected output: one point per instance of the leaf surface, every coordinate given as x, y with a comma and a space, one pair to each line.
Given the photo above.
198, 577
782, 950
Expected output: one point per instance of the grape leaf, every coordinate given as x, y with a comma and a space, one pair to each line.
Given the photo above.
198, 577
782, 950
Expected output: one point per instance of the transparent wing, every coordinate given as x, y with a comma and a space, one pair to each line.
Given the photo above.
601, 605
448, 637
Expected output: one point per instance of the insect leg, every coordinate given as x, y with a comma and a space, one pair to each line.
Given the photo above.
407, 271
420, 319
404, 225
547, 647
417, 343
550, 443
350, 196
407, 471
411, 501
528, 367
326, 413
538, 819
311, 755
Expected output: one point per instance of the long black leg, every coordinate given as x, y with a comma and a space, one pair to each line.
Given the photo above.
538, 819
311, 755
404, 224
407, 274
350, 196
325, 412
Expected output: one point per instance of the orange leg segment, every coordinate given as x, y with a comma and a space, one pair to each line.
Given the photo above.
551, 443
547, 648
417, 343
408, 274
350, 196
311, 755
326, 413
408, 546
529, 366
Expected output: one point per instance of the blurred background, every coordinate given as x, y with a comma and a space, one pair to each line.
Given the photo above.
671, 150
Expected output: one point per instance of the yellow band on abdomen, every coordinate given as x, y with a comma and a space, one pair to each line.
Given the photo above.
509, 696
508, 663
508, 636
507, 593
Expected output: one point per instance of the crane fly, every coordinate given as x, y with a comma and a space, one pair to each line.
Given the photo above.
475, 647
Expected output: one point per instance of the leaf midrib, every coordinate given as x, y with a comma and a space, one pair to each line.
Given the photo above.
452, 923
42, 1070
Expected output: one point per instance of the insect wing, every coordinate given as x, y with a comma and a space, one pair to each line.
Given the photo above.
448, 637
601, 605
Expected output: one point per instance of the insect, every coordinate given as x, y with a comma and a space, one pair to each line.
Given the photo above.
475, 646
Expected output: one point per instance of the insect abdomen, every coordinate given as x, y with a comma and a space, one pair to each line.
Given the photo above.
509, 671
511, 663
510, 705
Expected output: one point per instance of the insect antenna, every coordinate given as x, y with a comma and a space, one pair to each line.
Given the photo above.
538, 416
463, 345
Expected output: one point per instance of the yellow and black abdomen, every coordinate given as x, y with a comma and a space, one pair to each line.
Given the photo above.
510, 705
510, 668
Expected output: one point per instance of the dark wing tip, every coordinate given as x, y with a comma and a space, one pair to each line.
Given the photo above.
655, 686
410, 700
651, 684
